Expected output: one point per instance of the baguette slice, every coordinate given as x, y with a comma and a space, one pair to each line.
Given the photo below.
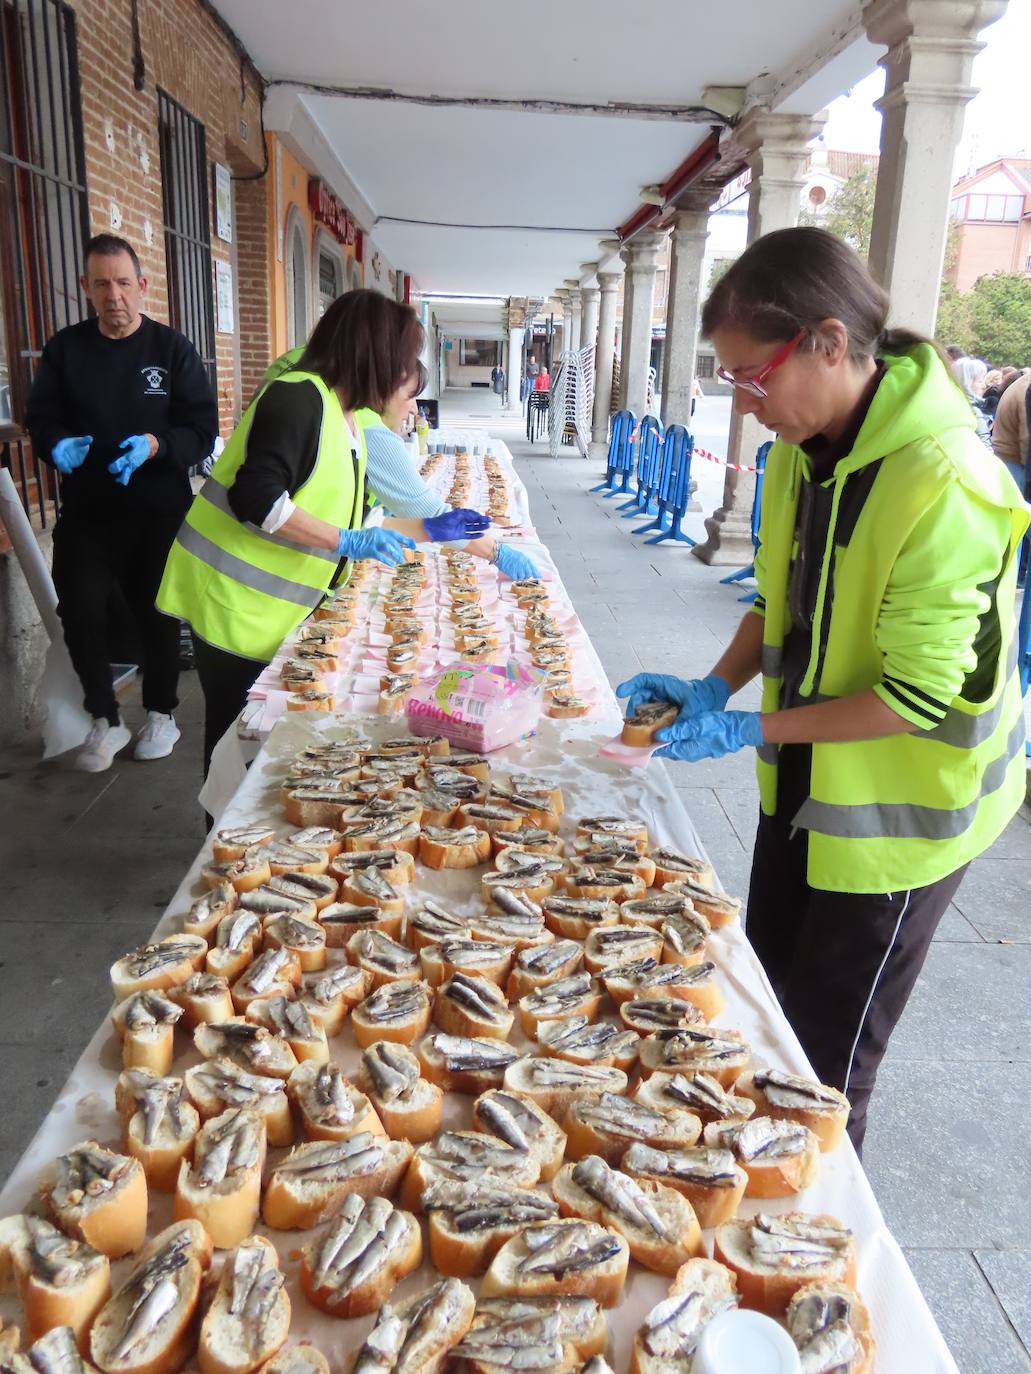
773, 1257
543, 964
580, 1041
470, 1222
327, 1105
671, 867
574, 918
723, 1054
466, 1064
233, 843
654, 908
483, 958
612, 946
222, 1188
648, 978
567, 1256
665, 1343
640, 728
309, 889
578, 994
159, 966
443, 848
779, 1157
249, 871
145, 1024
467, 1005
555, 1084
697, 1092
249, 1318
351, 1269
432, 923
236, 943
608, 1124
289, 1020
718, 910
148, 1326
408, 1105
790, 1097
830, 1320
61, 1282
249, 1045
277, 971
204, 915
159, 1125
646, 1015
396, 865
304, 939
685, 937
55, 1350
708, 1177
320, 837
521, 1123
219, 1083
99, 1197
203, 997
517, 922
313, 1181
396, 1011
658, 1222
466, 1157
417, 1336
385, 959
330, 994
297, 1359
552, 1335
341, 920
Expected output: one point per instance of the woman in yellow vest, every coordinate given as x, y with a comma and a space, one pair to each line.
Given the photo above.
890, 742
281, 515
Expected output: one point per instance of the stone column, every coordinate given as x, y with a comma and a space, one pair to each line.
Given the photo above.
777, 151
514, 371
931, 48
575, 311
640, 256
608, 289
690, 230
562, 296
590, 296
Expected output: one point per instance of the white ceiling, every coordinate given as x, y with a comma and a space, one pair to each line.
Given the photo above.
551, 171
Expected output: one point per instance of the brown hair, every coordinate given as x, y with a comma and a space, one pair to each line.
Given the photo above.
365, 345
794, 279
109, 246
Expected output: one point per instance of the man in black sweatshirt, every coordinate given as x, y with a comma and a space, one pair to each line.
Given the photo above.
122, 407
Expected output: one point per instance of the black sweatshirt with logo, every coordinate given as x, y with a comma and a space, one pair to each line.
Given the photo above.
152, 382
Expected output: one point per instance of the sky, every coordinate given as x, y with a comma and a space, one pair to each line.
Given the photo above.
998, 119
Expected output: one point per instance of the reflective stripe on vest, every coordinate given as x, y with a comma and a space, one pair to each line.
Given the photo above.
771, 660
903, 820
246, 573
218, 496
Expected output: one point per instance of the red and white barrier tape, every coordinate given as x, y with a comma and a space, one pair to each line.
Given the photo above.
712, 458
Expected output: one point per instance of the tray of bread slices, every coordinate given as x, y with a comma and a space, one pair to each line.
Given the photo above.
432, 1075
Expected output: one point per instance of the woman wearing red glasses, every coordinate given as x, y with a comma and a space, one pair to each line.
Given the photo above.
890, 743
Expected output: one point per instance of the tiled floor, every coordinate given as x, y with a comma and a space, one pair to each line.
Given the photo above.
88, 862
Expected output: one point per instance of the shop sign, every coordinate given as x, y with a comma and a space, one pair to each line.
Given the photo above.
329, 210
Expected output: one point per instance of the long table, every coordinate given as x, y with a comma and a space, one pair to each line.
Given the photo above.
565, 752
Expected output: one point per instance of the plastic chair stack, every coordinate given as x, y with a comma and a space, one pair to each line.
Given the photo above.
760, 468
620, 462
673, 487
649, 454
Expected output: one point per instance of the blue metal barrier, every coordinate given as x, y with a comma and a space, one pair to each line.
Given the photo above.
674, 487
760, 469
620, 461
1024, 639
649, 451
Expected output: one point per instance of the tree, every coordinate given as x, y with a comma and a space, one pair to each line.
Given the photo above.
717, 271
953, 323
1000, 319
850, 212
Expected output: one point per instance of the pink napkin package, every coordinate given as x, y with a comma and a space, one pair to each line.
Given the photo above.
476, 706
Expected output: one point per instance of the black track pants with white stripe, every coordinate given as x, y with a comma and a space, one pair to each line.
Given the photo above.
843, 964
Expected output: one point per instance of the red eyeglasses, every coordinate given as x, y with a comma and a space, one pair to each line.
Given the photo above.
754, 385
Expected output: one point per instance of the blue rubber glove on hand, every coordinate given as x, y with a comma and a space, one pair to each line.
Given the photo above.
386, 545
693, 697
68, 454
456, 524
511, 563
710, 735
135, 452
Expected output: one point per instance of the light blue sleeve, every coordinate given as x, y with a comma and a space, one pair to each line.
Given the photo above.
392, 475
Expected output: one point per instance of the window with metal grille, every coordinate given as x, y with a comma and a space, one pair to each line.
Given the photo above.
44, 220
705, 367
184, 191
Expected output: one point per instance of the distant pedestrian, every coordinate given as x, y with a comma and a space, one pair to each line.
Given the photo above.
543, 380
971, 374
122, 407
1010, 432
497, 381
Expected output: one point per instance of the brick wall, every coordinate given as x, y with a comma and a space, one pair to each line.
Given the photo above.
189, 55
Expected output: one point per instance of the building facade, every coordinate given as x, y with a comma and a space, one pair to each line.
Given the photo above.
992, 211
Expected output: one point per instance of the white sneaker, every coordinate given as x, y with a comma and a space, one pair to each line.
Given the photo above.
157, 738
102, 744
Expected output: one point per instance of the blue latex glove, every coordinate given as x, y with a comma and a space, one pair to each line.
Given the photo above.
693, 697
135, 451
511, 563
456, 524
68, 454
710, 735
386, 545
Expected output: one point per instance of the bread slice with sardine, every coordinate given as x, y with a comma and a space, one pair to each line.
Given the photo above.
249, 1317
222, 1187
311, 1183
537, 1335
779, 1157
408, 1105
61, 1282
520, 1122
567, 1256
350, 1269
97, 1196
830, 1326
658, 1222
773, 1257
708, 1176
469, 1222
327, 1106
416, 1336
791, 1097
466, 1157
608, 1124
668, 1337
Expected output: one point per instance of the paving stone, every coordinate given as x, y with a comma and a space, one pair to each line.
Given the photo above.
742, 807
1009, 1273
942, 1154
954, 928
967, 1312
970, 1005
33, 1076
995, 897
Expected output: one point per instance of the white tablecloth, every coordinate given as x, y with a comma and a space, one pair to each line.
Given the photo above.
566, 751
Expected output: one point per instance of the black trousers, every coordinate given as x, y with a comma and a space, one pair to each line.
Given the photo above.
842, 964
225, 679
94, 562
